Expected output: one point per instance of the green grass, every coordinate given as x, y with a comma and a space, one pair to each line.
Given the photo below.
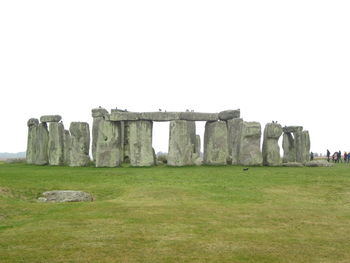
167, 214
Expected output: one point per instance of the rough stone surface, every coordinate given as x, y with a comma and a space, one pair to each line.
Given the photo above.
80, 144
215, 143
234, 127
302, 146
50, 118
229, 115
307, 145
160, 116
271, 149
42, 142
199, 116
98, 114
291, 129
288, 145
56, 143
318, 163
292, 164
140, 143
108, 148
198, 145
61, 196
181, 144
249, 151
66, 147
31, 141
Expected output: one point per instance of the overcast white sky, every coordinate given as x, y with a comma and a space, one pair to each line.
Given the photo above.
275, 60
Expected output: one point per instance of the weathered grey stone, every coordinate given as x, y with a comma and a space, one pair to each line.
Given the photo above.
50, 118
198, 145
292, 164
215, 143
42, 142
199, 116
160, 116
32, 140
234, 127
249, 151
302, 146
108, 147
271, 149
288, 145
140, 143
181, 145
80, 142
163, 116
318, 163
56, 143
229, 115
197, 159
290, 129
66, 147
98, 114
60, 196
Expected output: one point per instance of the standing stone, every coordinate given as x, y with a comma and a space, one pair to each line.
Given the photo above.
249, 150
288, 146
215, 143
98, 115
181, 143
109, 151
56, 144
31, 141
42, 142
66, 147
271, 149
198, 145
234, 127
140, 143
307, 145
299, 146
80, 142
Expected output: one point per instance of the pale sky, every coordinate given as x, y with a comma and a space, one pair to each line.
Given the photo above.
287, 61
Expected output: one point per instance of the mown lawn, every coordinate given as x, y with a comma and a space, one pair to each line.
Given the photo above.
165, 214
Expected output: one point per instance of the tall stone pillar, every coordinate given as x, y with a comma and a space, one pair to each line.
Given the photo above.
98, 115
66, 147
80, 144
198, 145
307, 145
56, 143
182, 139
249, 150
271, 149
108, 148
31, 141
299, 146
140, 143
215, 143
288, 146
42, 142
234, 127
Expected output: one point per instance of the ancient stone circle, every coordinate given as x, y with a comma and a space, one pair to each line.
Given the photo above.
122, 136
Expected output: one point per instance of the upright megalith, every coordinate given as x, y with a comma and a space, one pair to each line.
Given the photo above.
249, 149
215, 143
31, 141
42, 142
80, 144
56, 143
198, 145
288, 146
66, 147
302, 146
98, 115
108, 145
306, 146
181, 143
140, 143
271, 149
234, 128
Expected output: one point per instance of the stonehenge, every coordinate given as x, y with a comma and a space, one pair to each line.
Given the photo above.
120, 136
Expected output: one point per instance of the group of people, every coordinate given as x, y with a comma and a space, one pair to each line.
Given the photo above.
337, 157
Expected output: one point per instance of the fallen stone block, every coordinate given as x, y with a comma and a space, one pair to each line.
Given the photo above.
61, 196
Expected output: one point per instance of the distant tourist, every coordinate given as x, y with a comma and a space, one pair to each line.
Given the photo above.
339, 157
328, 155
311, 156
345, 157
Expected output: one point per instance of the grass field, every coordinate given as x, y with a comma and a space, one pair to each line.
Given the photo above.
187, 214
